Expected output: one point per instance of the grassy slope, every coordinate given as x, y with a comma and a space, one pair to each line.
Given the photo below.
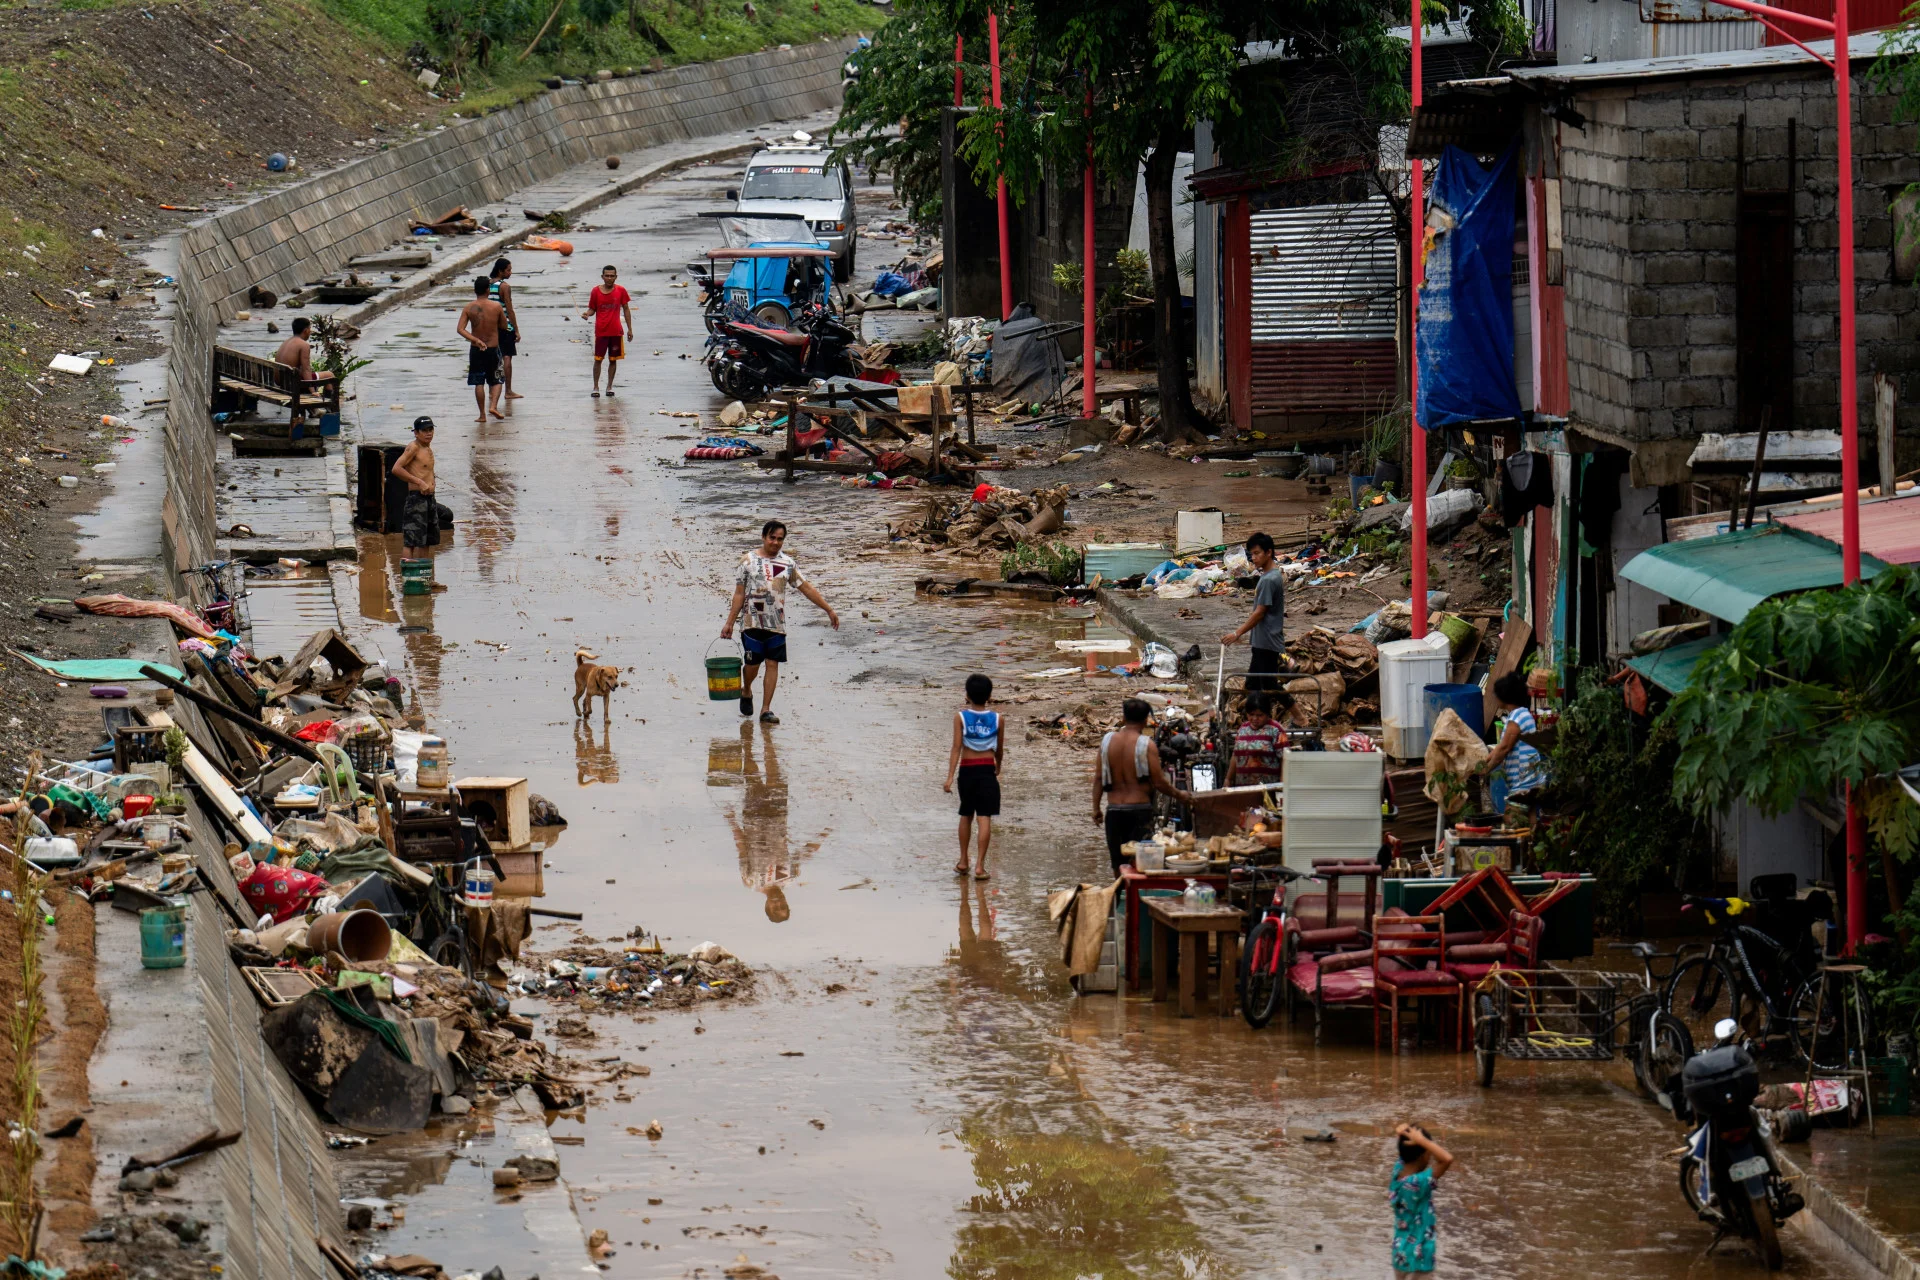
698, 32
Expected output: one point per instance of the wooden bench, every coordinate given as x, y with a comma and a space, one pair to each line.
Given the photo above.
248, 379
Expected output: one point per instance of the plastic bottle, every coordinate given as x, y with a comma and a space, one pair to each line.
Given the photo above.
1191, 897
118, 424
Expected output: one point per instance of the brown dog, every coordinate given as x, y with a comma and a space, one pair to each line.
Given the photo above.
591, 681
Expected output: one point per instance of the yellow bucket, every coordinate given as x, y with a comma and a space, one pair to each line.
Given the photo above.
723, 679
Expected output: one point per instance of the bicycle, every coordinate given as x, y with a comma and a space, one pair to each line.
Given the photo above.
1263, 959
1768, 986
227, 610
1658, 1043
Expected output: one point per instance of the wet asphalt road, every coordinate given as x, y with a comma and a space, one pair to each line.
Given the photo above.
956, 1111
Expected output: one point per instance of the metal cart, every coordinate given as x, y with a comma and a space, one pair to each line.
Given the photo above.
1574, 1015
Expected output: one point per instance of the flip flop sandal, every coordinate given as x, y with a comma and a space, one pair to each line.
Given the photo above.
982, 875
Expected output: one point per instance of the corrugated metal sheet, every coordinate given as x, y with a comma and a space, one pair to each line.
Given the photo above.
1672, 669
1323, 377
1672, 39
1727, 575
1862, 15
1861, 47
1323, 271
1889, 529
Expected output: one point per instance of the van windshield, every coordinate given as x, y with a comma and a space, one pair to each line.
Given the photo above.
790, 182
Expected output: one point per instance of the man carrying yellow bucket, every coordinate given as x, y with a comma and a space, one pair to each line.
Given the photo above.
760, 587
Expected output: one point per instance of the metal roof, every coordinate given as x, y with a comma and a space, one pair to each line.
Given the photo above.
1728, 574
1889, 528
1863, 47
1672, 668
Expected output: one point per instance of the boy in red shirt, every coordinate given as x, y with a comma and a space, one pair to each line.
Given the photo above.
608, 304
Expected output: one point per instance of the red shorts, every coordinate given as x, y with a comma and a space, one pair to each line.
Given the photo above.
609, 344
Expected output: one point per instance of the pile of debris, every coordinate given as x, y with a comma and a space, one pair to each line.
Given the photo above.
991, 518
642, 977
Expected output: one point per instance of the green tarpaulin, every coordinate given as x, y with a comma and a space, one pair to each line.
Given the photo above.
115, 669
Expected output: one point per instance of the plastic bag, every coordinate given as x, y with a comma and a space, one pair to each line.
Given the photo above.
1162, 661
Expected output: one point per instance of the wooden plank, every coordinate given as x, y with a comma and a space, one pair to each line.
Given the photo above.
780, 462
1513, 647
215, 788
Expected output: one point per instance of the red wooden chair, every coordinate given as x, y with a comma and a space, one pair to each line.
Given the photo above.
1408, 956
1328, 968
1518, 949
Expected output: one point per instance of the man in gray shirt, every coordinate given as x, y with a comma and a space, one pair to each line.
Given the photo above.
1267, 627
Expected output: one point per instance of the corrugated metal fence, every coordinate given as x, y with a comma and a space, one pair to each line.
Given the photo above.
1324, 308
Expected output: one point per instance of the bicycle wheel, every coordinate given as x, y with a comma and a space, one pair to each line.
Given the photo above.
1260, 974
1663, 1051
1701, 992
1844, 1022
450, 950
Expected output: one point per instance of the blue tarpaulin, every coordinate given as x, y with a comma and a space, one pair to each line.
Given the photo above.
1466, 302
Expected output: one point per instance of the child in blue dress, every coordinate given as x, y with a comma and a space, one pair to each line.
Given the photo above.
1422, 1161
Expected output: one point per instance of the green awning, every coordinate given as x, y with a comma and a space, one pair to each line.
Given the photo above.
1672, 668
1729, 573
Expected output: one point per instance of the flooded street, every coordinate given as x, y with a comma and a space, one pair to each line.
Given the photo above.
914, 1091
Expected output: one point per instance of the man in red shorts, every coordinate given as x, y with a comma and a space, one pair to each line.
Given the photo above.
608, 305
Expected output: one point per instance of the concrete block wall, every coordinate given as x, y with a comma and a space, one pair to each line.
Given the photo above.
1647, 201
285, 239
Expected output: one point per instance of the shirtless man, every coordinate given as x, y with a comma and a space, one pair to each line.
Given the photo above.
480, 324
1127, 774
297, 353
420, 526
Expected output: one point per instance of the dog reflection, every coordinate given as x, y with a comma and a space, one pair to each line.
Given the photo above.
593, 758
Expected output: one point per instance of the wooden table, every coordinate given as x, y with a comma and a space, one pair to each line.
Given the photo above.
1138, 952
1192, 926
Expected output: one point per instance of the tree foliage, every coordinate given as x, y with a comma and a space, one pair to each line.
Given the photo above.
1807, 695
890, 119
1617, 820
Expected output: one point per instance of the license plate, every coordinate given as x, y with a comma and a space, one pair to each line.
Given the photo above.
1754, 1168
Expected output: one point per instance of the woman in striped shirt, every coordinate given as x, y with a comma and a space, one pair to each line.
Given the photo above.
1520, 766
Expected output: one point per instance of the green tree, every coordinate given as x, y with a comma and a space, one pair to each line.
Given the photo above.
890, 119
1806, 696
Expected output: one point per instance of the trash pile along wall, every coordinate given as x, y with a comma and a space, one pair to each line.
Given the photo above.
281, 240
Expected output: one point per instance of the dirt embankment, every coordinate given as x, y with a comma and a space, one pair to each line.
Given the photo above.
107, 115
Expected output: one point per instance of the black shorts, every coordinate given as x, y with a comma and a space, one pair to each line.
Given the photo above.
420, 525
764, 646
979, 787
1262, 667
1126, 823
483, 366
509, 344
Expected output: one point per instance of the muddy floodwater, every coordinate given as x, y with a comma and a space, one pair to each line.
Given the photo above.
914, 1091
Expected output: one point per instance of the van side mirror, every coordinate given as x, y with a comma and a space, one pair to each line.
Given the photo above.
733, 193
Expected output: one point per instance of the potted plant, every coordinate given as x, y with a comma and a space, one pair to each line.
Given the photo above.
1380, 446
1463, 473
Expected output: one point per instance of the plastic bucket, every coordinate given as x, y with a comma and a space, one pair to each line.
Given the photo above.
163, 937
478, 890
360, 936
416, 577
1463, 699
136, 806
723, 679
1457, 630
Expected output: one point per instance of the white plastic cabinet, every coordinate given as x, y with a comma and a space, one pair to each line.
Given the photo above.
1332, 806
1407, 667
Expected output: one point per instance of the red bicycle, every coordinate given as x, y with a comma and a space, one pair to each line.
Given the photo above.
1263, 961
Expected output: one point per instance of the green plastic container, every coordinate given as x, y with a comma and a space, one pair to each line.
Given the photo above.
163, 937
416, 577
723, 679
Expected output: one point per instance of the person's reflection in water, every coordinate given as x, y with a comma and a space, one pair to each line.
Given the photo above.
760, 825
979, 947
593, 759
424, 652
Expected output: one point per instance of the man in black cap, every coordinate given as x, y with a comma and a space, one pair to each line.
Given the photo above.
420, 525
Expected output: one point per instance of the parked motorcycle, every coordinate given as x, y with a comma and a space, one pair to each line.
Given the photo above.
745, 360
1727, 1172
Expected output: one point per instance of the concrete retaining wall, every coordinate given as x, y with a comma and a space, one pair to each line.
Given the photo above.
282, 240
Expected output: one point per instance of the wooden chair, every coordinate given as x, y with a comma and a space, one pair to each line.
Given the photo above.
1327, 968
1518, 948
1408, 956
